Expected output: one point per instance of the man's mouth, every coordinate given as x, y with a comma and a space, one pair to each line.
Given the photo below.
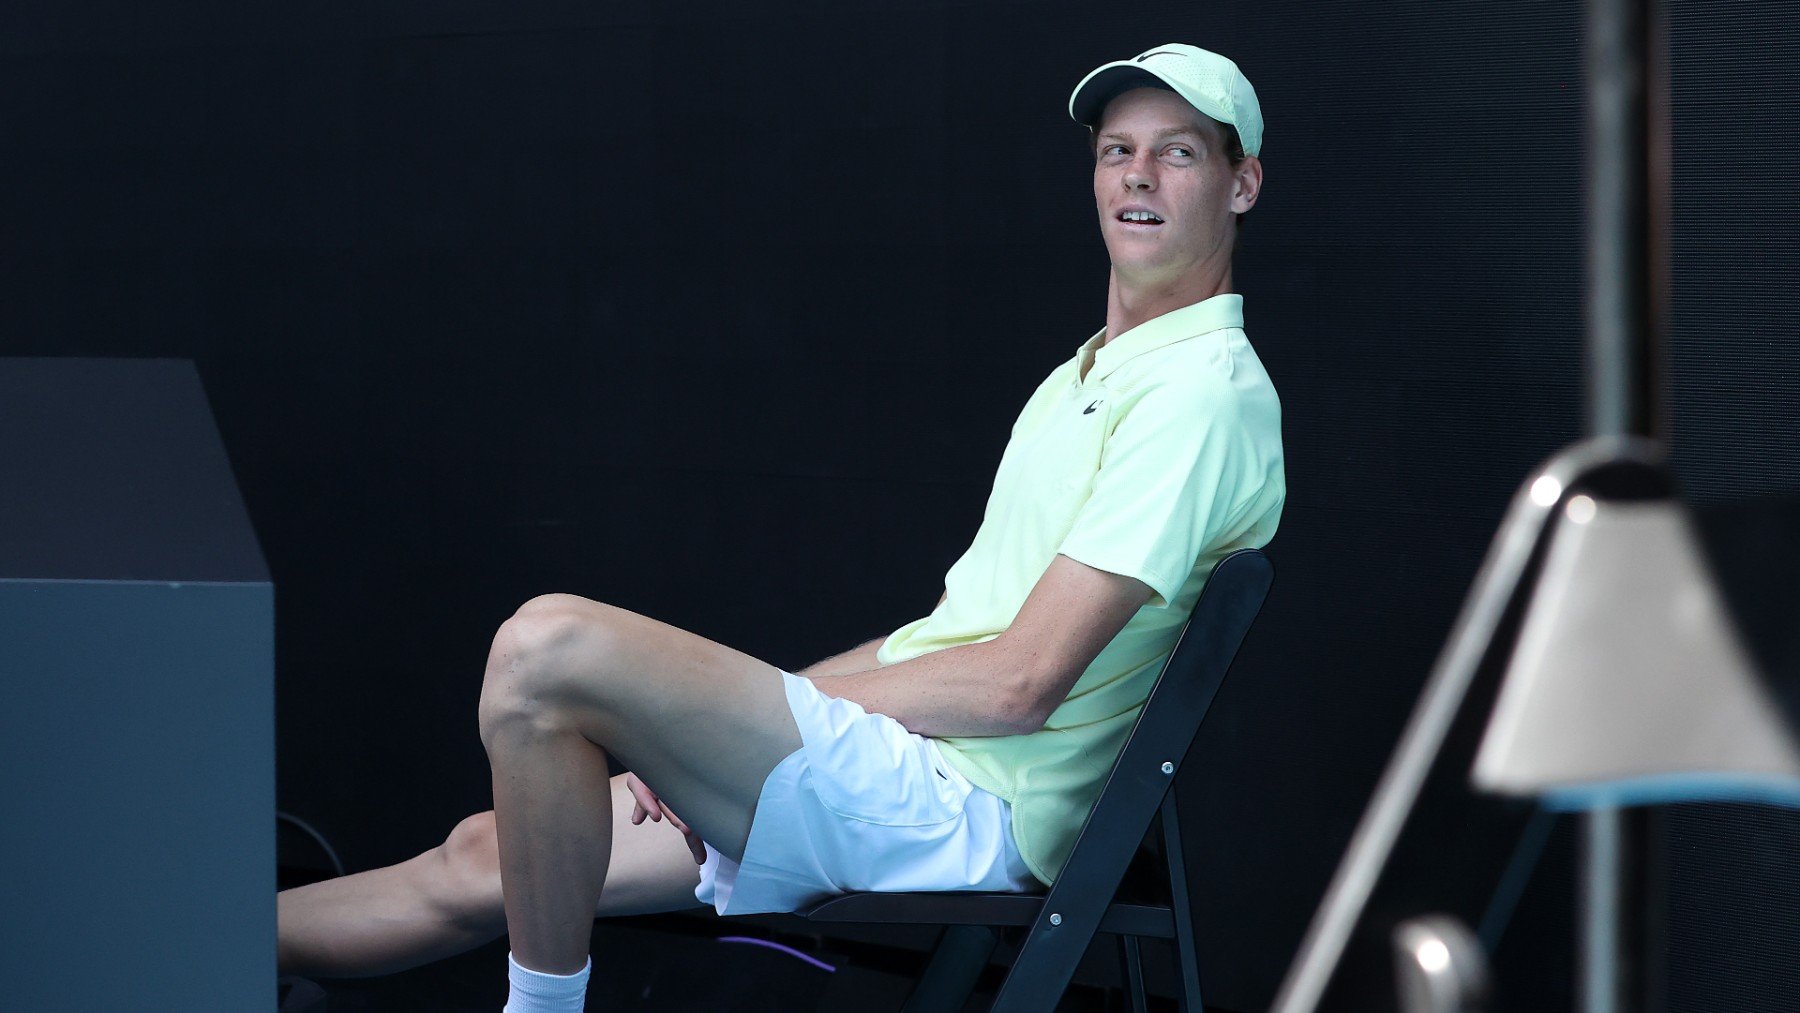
1142, 218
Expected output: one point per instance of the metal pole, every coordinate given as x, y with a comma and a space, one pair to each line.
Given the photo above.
1620, 911
1608, 964
1628, 312
1627, 183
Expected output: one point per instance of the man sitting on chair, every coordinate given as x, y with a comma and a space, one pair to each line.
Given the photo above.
963, 751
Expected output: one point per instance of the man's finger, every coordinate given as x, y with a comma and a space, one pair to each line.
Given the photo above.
645, 801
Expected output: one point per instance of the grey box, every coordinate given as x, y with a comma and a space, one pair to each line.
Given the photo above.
137, 759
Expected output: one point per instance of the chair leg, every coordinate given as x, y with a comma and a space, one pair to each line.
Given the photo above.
962, 954
1187, 956
1134, 973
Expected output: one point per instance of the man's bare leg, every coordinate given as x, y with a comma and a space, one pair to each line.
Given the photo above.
702, 724
448, 900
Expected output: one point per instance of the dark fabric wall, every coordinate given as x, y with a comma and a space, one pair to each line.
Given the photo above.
721, 314
1734, 886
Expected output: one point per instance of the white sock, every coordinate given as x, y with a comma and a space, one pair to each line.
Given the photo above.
537, 992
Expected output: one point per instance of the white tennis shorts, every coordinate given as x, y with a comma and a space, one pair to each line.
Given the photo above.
862, 805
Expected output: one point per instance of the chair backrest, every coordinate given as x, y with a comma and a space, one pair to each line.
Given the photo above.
1171, 717
1138, 786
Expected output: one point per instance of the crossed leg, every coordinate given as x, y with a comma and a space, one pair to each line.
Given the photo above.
699, 722
448, 900
569, 679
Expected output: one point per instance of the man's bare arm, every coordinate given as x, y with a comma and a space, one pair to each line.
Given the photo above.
1011, 684
860, 658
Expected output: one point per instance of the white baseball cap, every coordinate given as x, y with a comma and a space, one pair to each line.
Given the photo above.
1208, 81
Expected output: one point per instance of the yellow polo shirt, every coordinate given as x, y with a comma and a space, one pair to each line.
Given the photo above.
1153, 455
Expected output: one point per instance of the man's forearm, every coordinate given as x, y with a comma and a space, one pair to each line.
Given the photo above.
974, 689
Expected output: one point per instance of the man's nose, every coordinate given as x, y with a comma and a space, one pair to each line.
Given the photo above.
1139, 177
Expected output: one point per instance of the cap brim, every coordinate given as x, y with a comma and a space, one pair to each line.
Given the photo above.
1106, 83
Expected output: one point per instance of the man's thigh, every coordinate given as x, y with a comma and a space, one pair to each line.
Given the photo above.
701, 724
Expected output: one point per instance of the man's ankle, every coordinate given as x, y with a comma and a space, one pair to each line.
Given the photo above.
539, 992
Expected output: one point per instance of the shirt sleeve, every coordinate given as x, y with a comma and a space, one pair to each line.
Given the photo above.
1165, 489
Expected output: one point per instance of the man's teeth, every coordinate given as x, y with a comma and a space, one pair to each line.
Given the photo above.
1139, 216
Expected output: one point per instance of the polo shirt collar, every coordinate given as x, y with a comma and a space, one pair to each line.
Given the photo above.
1193, 320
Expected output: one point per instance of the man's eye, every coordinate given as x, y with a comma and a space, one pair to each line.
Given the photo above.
1113, 149
1181, 151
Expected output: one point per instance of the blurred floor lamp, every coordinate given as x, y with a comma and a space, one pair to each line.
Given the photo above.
1629, 683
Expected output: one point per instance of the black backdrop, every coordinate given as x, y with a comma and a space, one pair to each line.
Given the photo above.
721, 313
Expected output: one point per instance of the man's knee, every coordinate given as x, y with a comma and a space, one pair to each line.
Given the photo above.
471, 869
554, 646
473, 848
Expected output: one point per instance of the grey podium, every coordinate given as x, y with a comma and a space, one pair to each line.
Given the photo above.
137, 760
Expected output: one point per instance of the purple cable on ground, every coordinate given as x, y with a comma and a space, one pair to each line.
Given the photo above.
789, 950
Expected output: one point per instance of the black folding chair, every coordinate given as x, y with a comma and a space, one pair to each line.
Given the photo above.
1086, 896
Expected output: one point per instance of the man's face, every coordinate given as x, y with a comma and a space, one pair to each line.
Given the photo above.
1154, 153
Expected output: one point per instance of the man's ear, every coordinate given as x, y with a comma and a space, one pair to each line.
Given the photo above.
1247, 175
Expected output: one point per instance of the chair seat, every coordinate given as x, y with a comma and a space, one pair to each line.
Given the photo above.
1003, 909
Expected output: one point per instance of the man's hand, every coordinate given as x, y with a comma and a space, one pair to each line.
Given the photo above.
645, 803
857, 659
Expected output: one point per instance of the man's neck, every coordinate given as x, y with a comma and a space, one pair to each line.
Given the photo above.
1129, 305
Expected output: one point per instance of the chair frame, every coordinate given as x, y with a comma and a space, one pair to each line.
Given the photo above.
1084, 900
